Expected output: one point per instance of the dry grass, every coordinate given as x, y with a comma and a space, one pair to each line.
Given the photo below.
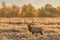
51, 32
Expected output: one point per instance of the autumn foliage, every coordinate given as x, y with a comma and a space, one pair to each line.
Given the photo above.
29, 11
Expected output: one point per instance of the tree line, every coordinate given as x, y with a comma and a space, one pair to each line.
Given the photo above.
29, 11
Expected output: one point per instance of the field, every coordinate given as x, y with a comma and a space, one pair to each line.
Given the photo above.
51, 29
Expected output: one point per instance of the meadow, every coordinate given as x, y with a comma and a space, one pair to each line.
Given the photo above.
51, 29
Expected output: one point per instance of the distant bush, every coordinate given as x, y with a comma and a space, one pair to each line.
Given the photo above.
28, 11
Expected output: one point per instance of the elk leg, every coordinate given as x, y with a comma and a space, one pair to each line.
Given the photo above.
32, 33
41, 33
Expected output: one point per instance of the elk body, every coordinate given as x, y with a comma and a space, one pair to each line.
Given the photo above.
35, 29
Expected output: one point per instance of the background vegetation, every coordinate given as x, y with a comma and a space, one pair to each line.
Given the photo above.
29, 11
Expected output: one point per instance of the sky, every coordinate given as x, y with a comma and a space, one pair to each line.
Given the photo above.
35, 3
